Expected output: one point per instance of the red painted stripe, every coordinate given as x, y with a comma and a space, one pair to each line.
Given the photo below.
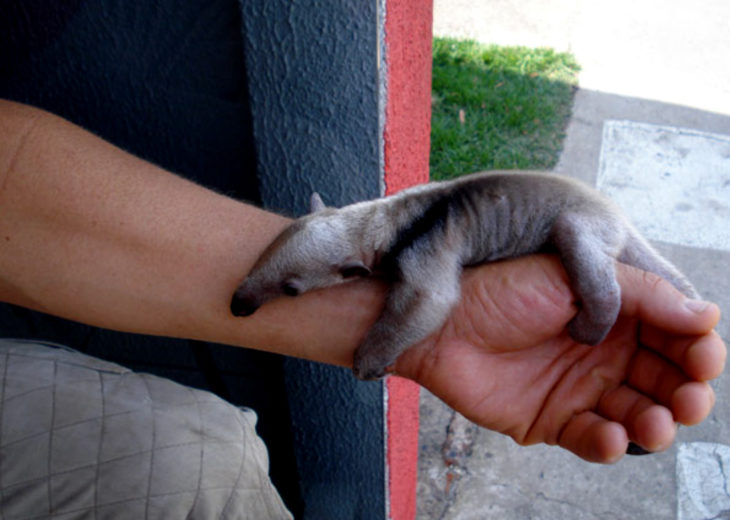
402, 448
408, 37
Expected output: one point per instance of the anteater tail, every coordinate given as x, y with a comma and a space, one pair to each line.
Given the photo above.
639, 253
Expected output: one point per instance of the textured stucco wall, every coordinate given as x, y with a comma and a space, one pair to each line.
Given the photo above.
312, 67
161, 80
313, 82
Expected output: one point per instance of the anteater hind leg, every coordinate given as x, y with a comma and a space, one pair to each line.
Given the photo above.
418, 303
639, 253
587, 247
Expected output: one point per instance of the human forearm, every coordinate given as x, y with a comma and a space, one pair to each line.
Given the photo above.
94, 234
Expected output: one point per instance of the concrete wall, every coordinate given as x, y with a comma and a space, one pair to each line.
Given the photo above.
312, 68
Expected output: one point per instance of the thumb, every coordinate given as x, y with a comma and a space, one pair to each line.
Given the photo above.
656, 302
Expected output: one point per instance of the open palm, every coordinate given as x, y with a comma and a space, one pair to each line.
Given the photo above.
505, 361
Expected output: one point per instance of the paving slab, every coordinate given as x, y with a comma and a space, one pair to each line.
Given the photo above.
670, 181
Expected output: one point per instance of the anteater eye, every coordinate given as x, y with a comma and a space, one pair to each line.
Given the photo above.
354, 270
290, 289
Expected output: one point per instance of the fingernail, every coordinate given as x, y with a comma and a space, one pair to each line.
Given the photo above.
697, 306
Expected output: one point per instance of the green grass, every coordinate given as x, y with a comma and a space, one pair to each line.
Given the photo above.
498, 107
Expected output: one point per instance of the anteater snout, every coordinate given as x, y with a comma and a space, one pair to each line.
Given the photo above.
243, 306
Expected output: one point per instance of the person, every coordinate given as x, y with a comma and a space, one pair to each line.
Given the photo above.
93, 234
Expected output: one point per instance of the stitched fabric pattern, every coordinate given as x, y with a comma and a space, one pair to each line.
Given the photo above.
83, 438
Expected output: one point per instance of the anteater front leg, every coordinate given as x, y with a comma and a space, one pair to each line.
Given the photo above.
418, 303
588, 247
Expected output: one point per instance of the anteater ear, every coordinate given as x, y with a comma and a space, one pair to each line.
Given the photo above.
353, 269
315, 203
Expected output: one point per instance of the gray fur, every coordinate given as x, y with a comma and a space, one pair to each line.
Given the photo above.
421, 238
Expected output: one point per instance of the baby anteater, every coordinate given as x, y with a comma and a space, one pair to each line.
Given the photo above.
420, 239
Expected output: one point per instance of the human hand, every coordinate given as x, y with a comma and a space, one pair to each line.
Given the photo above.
506, 362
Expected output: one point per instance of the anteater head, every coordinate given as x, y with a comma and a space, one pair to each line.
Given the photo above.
314, 252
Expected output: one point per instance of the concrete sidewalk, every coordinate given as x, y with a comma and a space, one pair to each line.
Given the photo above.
651, 127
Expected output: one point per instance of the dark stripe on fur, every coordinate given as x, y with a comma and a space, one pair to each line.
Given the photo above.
432, 220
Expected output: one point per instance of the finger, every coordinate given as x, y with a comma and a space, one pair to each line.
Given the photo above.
652, 379
594, 438
654, 376
653, 429
656, 302
700, 357
648, 424
692, 403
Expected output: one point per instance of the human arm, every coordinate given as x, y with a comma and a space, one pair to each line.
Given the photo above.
91, 233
